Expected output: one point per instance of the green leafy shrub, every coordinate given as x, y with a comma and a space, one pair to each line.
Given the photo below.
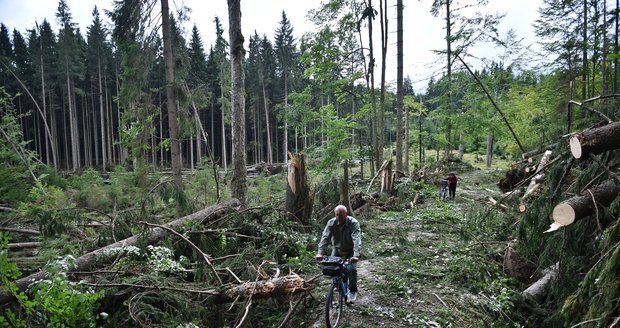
61, 302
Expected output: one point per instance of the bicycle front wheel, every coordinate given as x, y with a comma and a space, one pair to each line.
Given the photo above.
334, 303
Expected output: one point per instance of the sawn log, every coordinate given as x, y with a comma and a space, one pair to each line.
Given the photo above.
595, 141
583, 205
89, 260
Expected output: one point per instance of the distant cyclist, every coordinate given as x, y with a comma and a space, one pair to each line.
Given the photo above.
452, 179
344, 233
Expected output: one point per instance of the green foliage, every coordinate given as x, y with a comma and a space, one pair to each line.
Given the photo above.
8, 273
52, 302
266, 190
201, 188
19, 164
62, 303
51, 206
122, 190
91, 190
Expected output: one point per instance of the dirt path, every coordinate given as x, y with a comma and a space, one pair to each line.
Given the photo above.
416, 265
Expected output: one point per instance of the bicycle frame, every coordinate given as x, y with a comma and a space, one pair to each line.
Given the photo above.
443, 191
336, 298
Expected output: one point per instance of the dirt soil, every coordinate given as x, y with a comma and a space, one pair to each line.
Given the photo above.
417, 265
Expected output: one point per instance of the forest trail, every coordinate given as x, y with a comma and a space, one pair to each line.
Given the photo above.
411, 259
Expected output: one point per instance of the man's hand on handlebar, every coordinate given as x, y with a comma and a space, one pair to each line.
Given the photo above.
318, 257
353, 259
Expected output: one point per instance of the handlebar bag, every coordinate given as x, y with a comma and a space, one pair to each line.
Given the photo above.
332, 266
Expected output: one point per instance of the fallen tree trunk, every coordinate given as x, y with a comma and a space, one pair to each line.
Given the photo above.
532, 153
538, 290
24, 231
88, 260
583, 205
595, 141
275, 287
30, 244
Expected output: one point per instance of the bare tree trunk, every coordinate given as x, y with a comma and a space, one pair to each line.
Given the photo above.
237, 54
399, 87
489, 157
268, 126
344, 187
175, 149
383, 18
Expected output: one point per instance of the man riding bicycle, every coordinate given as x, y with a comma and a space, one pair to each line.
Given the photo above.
344, 233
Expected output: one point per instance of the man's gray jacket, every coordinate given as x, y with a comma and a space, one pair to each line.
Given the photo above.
346, 238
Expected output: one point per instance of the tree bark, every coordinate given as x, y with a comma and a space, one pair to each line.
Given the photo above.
175, 149
281, 286
387, 179
344, 188
89, 260
489, 157
580, 206
535, 152
298, 198
595, 141
237, 54
399, 86
538, 290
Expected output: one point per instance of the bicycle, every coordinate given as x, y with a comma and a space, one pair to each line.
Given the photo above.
336, 297
443, 189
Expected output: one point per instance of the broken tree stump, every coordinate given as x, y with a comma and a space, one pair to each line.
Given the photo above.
298, 197
89, 260
595, 141
583, 205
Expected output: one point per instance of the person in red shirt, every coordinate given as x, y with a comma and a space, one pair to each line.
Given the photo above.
452, 179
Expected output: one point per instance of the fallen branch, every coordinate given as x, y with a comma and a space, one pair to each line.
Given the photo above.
87, 261
532, 153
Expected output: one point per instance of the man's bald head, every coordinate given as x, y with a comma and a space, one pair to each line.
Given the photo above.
341, 213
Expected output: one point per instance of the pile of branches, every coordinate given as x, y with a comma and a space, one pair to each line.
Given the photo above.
211, 267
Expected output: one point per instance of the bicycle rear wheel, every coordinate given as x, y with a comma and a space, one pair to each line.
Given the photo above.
334, 303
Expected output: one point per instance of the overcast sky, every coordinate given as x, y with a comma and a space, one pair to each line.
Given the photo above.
422, 32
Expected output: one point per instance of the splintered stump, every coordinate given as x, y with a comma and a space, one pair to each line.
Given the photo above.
298, 198
583, 205
595, 141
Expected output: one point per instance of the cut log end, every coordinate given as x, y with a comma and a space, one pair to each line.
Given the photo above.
575, 147
521, 208
563, 214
